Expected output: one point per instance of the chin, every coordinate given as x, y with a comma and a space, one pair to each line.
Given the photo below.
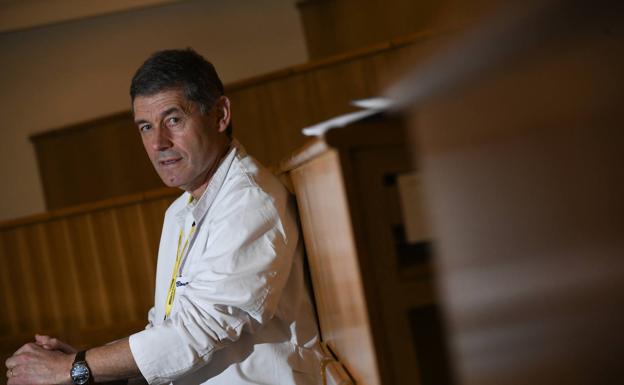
170, 182
176, 184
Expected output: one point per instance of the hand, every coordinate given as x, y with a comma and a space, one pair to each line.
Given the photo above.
32, 364
50, 343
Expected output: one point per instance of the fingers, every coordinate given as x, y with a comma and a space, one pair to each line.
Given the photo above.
50, 343
11, 373
27, 348
36, 365
41, 339
46, 342
15, 377
11, 362
21, 353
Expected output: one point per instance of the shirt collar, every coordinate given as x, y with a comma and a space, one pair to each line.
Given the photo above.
198, 208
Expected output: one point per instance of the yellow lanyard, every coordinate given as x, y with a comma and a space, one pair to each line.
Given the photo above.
179, 254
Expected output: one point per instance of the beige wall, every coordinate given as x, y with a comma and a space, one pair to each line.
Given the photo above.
67, 73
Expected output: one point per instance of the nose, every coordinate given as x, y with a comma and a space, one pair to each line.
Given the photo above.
161, 140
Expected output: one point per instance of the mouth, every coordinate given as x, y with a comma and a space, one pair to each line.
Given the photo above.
169, 162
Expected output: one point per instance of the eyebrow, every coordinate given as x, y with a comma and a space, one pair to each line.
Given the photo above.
162, 115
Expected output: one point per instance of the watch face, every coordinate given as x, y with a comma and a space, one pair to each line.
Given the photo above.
79, 373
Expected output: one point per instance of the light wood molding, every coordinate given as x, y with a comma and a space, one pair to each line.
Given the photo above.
374, 292
108, 203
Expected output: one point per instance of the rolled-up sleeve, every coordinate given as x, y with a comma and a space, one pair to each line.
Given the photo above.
236, 272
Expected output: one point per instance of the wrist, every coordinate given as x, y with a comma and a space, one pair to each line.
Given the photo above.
80, 372
68, 361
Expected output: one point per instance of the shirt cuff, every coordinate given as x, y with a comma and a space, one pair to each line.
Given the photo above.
160, 355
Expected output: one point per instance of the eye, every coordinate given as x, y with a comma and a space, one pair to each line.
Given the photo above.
173, 121
145, 127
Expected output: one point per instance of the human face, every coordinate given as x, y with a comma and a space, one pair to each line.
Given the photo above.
183, 144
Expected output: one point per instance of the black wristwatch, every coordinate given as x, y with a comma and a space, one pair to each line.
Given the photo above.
80, 373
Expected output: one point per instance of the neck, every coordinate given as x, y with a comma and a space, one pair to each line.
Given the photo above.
197, 192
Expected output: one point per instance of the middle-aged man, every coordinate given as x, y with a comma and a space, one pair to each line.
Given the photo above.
230, 305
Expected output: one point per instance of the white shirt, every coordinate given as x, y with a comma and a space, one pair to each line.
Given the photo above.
241, 312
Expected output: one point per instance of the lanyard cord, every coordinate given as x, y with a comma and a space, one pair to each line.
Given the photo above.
172, 285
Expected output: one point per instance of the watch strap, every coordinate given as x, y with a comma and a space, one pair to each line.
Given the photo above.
81, 356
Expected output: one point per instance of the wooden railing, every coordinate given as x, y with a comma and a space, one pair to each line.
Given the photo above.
84, 274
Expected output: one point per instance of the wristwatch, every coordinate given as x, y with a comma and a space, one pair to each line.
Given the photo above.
80, 373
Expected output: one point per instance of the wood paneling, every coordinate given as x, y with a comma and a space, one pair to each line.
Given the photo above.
105, 158
335, 26
85, 274
93, 161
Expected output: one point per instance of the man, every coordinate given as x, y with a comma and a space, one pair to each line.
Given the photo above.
230, 301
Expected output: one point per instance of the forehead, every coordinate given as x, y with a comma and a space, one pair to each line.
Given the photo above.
145, 105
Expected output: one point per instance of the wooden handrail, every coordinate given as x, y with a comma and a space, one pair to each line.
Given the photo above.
123, 200
309, 150
81, 125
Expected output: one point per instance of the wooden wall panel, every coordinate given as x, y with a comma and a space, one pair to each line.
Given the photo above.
335, 26
52, 292
71, 300
85, 275
138, 248
87, 263
93, 161
8, 323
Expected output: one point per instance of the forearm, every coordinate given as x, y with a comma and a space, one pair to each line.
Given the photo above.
112, 362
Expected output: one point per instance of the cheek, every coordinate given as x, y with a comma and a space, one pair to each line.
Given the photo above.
146, 145
152, 156
190, 151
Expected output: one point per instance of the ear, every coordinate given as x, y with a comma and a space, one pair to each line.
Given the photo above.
223, 113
